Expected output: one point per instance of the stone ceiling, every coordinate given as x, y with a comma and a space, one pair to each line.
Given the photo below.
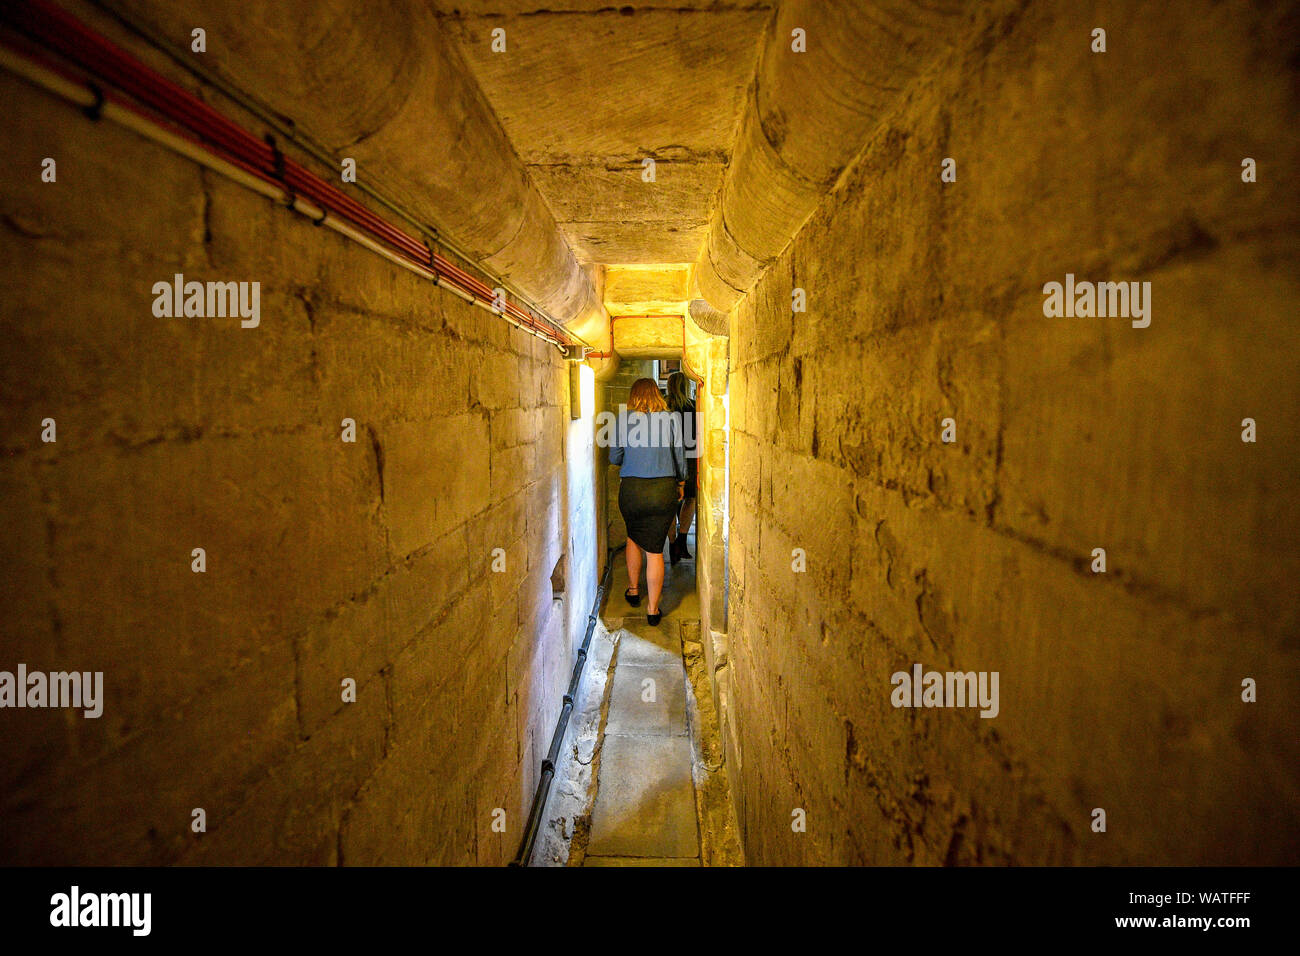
587, 91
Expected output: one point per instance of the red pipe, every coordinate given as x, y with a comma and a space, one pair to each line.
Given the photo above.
58, 31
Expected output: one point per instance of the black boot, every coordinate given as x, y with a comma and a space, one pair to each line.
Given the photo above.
681, 546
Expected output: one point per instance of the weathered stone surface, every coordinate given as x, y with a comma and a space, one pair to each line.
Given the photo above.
647, 290
325, 559
787, 153
638, 336
416, 125
639, 708
1119, 690
445, 561
631, 84
645, 804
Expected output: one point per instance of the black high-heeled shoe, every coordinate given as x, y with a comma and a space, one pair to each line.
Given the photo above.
674, 554
653, 619
632, 599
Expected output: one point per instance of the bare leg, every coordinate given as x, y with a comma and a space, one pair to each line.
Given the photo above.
633, 555
686, 517
654, 573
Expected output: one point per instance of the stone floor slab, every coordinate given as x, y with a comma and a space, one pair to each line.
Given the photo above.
642, 644
645, 799
629, 710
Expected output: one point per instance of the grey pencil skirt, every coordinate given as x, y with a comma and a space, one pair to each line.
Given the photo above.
649, 506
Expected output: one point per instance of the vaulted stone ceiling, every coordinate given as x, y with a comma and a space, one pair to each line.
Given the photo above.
587, 91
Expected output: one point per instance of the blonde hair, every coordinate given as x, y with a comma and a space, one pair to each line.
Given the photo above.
646, 397
679, 392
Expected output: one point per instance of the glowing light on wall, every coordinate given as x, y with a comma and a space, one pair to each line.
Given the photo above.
582, 391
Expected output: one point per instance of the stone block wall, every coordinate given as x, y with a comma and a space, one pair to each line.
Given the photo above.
1120, 690
325, 560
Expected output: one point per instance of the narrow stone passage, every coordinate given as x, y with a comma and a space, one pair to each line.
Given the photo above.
641, 773
321, 327
645, 810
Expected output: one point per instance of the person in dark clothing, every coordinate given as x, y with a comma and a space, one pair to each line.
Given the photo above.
680, 403
652, 464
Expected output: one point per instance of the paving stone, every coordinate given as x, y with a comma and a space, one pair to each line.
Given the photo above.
645, 800
631, 713
651, 646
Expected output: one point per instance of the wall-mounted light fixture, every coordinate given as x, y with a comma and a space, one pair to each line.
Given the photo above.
582, 391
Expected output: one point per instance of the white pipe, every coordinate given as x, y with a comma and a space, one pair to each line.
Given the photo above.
300, 139
79, 95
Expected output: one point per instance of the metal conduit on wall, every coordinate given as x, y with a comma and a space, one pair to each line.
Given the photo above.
226, 148
384, 86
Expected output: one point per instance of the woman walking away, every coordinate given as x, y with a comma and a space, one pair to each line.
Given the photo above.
652, 465
680, 403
